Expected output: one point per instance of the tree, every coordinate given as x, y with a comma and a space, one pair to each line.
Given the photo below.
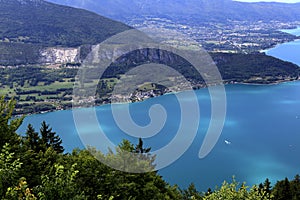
31, 139
9, 125
145, 185
39, 153
140, 149
265, 188
92, 176
191, 193
233, 191
20, 192
50, 138
295, 186
9, 169
282, 190
95, 178
60, 184
208, 192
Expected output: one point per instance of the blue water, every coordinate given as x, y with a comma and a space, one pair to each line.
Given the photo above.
292, 31
262, 124
289, 51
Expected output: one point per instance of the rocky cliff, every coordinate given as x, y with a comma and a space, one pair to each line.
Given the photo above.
57, 55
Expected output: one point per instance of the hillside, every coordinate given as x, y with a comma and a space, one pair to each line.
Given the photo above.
205, 10
26, 26
40, 22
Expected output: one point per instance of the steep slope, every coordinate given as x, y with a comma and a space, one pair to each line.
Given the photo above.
207, 10
37, 21
28, 26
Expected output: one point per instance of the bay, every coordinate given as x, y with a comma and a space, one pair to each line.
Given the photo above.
295, 31
262, 126
289, 51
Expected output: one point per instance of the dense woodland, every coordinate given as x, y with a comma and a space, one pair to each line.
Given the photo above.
26, 27
35, 166
40, 22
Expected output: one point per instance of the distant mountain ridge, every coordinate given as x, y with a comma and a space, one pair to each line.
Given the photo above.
206, 10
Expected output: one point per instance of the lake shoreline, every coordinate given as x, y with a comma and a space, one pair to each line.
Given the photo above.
167, 93
254, 81
295, 32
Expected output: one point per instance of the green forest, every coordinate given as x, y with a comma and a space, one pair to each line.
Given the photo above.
47, 24
34, 166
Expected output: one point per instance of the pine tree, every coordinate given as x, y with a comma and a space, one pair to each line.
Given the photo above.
282, 190
32, 139
140, 149
295, 187
267, 186
191, 193
50, 138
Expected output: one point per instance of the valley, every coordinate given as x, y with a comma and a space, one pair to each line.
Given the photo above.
228, 37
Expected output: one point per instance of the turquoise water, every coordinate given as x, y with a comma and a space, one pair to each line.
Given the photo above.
288, 51
292, 31
262, 124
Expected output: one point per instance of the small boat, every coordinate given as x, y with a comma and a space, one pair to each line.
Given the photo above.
227, 142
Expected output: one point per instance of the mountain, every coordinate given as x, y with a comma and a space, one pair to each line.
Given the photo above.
204, 10
40, 22
28, 26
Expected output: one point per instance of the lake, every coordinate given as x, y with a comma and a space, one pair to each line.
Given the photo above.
260, 139
288, 51
262, 125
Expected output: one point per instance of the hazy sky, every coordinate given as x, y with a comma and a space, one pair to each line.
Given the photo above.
284, 1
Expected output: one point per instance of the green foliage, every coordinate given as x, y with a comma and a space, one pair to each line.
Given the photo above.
31, 139
20, 192
191, 193
36, 164
39, 89
8, 125
254, 68
19, 53
129, 158
50, 139
140, 148
39, 151
27, 27
235, 191
9, 169
286, 189
98, 180
53, 24
60, 184
265, 188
